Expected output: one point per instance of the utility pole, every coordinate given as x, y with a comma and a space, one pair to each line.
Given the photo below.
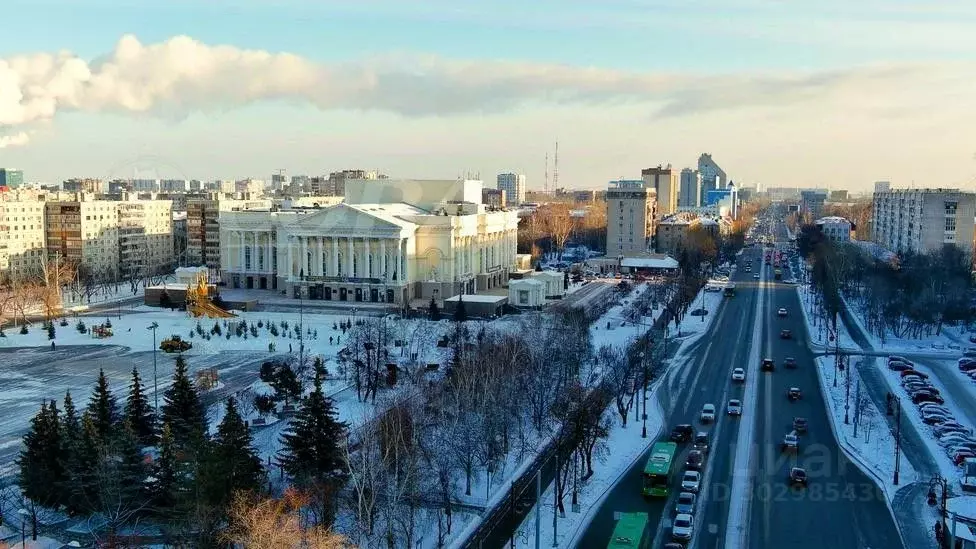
847, 394
538, 509
153, 327
857, 405
555, 497
897, 441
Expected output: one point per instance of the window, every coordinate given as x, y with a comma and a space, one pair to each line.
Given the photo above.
523, 297
950, 224
950, 207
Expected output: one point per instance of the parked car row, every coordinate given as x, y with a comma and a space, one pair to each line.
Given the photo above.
683, 527
956, 438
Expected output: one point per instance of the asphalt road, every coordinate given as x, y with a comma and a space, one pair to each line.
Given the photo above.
704, 378
842, 507
29, 376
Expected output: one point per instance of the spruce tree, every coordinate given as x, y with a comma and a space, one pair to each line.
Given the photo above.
460, 315
183, 411
41, 471
166, 484
434, 312
103, 408
128, 467
50, 330
312, 444
85, 493
138, 413
70, 442
232, 464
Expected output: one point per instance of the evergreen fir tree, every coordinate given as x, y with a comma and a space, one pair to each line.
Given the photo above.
139, 414
103, 408
460, 315
50, 330
434, 312
70, 456
84, 491
312, 444
232, 464
183, 411
165, 486
128, 466
41, 471
566, 280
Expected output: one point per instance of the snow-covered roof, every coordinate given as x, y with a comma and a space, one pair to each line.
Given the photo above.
475, 298
832, 219
525, 282
665, 262
965, 508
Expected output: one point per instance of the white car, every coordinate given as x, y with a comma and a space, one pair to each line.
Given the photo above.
738, 374
707, 413
781, 312
735, 407
691, 481
683, 527
756, 276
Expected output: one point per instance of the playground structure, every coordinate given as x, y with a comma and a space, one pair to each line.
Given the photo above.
199, 302
207, 379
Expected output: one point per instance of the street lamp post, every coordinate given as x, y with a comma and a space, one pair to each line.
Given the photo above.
847, 394
644, 398
897, 402
153, 327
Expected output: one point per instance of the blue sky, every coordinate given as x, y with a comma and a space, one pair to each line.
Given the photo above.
730, 46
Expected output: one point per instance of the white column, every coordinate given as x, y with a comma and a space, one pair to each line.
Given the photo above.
335, 257
399, 267
320, 256
367, 263
240, 251
383, 270
268, 260
290, 269
349, 245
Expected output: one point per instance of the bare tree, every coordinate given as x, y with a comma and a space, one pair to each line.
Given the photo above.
277, 524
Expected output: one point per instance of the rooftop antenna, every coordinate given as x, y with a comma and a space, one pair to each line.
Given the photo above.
555, 169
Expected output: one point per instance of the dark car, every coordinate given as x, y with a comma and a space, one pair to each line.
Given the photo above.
695, 461
701, 442
789, 362
898, 366
682, 433
906, 373
798, 476
918, 398
800, 424
793, 393
785, 334
767, 365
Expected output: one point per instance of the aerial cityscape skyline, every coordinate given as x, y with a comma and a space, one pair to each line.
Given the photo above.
441, 90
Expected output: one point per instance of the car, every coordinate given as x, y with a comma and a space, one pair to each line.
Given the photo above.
791, 442
789, 362
915, 373
691, 481
967, 367
898, 366
957, 446
800, 424
735, 407
686, 503
931, 407
785, 334
913, 388
695, 460
961, 456
767, 365
738, 374
748, 268
934, 418
701, 442
707, 414
683, 527
900, 359
911, 379
798, 476
926, 391
951, 438
790, 281
756, 276
682, 433
794, 394
781, 312
951, 427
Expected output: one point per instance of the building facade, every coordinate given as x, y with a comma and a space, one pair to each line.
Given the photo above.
86, 185
84, 231
145, 237
493, 198
835, 229
434, 243
812, 202
631, 217
690, 193
513, 185
923, 220
202, 226
11, 179
672, 231
22, 237
713, 176
664, 181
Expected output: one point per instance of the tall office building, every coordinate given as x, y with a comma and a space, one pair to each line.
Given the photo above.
11, 178
513, 185
923, 220
631, 217
664, 181
690, 194
711, 173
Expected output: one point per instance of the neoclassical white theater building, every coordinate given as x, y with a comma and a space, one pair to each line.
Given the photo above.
390, 241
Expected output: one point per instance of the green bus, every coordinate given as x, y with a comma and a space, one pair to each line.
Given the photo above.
631, 532
659, 468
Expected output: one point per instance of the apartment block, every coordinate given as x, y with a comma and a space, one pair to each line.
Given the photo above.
664, 181
513, 185
145, 237
11, 179
21, 235
923, 220
86, 185
631, 214
202, 226
86, 232
672, 231
690, 192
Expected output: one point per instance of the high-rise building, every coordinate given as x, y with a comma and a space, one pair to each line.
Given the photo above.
336, 184
203, 231
690, 193
712, 175
923, 220
145, 237
86, 185
882, 186
493, 198
513, 185
812, 202
279, 181
664, 181
631, 217
252, 187
21, 235
84, 232
11, 179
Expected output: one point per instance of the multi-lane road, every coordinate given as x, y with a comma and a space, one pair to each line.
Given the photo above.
840, 508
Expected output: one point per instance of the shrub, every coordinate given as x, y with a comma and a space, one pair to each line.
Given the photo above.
81, 327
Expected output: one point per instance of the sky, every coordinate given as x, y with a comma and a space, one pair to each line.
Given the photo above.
831, 93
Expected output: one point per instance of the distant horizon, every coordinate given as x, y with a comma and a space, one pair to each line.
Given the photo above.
831, 94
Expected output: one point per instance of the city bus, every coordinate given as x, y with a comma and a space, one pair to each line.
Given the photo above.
729, 289
659, 468
631, 532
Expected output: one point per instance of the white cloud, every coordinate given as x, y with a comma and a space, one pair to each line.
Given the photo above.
16, 140
181, 76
